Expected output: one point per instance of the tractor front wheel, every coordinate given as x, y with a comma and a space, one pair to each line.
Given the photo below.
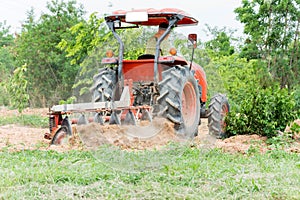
217, 111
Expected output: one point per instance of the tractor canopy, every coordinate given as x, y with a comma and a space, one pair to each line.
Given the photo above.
122, 19
152, 17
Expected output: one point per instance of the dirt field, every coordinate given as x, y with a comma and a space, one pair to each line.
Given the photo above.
158, 134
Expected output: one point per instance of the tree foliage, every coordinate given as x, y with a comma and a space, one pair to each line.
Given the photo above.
89, 44
6, 38
221, 43
6, 57
272, 29
93, 36
86, 35
49, 73
7, 62
233, 76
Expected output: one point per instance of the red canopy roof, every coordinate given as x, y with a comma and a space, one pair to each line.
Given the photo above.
155, 17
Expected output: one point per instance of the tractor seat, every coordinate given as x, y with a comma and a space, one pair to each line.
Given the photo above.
146, 56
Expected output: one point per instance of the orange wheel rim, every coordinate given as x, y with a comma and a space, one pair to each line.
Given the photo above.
224, 112
189, 103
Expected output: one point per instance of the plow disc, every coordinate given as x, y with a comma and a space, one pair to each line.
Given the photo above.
136, 124
60, 136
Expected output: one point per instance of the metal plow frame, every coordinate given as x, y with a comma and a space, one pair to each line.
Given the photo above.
130, 113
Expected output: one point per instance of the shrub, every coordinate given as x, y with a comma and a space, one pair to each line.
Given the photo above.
263, 112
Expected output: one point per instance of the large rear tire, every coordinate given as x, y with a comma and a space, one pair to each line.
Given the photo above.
179, 100
217, 111
104, 85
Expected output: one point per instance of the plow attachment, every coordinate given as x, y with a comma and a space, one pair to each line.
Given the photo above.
118, 112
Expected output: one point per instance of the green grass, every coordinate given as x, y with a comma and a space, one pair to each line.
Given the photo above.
25, 120
190, 174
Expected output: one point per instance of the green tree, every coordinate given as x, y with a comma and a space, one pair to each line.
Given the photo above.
93, 35
88, 45
86, 48
6, 38
49, 73
220, 44
6, 57
272, 29
6, 60
85, 37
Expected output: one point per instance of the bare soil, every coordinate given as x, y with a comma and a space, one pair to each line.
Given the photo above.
145, 136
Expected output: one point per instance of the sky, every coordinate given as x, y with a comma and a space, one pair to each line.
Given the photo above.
218, 13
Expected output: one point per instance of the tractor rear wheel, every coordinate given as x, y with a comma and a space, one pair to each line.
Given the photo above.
104, 83
217, 111
179, 100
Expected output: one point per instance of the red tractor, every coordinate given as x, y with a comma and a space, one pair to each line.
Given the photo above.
127, 91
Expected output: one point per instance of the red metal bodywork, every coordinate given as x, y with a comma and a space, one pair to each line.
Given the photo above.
201, 77
142, 71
